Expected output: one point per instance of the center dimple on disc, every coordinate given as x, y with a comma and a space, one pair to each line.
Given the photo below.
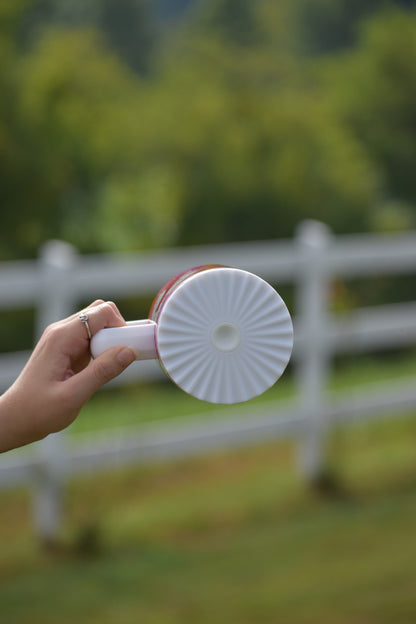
225, 337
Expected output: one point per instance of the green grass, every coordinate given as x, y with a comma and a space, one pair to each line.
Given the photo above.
233, 537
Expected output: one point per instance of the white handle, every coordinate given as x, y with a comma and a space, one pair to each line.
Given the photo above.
141, 335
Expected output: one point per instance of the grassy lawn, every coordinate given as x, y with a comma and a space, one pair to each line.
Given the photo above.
233, 537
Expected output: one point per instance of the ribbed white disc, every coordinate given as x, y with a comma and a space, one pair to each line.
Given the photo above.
224, 335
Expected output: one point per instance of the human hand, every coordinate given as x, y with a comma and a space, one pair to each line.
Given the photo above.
60, 377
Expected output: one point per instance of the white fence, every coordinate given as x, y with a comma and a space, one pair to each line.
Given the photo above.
60, 280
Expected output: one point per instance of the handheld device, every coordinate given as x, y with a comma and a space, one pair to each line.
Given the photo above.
222, 334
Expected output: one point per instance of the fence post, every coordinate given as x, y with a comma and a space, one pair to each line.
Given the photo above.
56, 261
312, 362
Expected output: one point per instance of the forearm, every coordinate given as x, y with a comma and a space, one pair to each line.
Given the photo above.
15, 423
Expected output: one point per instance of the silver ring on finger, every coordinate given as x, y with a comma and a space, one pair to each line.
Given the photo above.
84, 319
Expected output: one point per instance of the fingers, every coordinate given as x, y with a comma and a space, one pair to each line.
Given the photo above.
71, 336
105, 367
103, 314
96, 303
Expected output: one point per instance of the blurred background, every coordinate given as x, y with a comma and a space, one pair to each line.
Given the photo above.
140, 125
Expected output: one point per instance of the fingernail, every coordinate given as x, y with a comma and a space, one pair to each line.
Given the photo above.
126, 356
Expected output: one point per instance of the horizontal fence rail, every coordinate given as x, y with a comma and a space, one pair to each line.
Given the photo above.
60, 280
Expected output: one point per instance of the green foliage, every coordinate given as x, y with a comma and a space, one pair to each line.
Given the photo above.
232, 20
127, 26
138, 210
381, 109
259, 146
224, 130
62, 136
325, 26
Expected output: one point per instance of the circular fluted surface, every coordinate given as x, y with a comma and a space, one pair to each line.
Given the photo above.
224, 335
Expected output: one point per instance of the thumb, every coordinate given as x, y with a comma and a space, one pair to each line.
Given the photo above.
109, 364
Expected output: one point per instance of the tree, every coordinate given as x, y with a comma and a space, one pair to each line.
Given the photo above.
70, 97
16, 178
235, 21
375, 92
325, 26
256, 147
221, 141
128, 27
